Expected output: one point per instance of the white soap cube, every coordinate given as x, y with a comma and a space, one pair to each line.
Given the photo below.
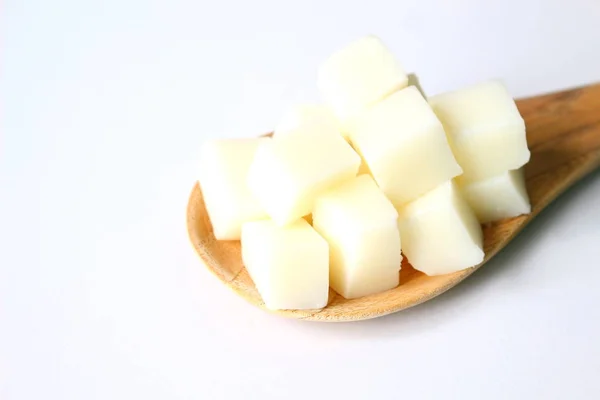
224, 168
404, 146
358, 75
440, 233
289, 265
308, 117
289, 172
502, 196
485, 129
360, 225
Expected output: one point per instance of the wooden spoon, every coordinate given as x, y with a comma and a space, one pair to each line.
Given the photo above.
563, 133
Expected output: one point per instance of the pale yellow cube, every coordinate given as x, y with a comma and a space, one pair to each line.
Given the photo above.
502, 196
224, 168
289, 172
440, 233
289, 265
358, 75
308, 117
485, 130
360, 225
404, 146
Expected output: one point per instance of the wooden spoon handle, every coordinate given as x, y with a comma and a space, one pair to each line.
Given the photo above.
563, 133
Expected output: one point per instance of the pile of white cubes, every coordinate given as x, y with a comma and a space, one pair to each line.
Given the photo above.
381, 170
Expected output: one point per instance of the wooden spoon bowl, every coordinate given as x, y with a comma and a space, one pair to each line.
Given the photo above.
563, 133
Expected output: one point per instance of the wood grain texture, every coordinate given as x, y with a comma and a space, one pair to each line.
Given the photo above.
563, 133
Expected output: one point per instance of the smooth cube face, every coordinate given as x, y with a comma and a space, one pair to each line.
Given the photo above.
289, 172
366, 263
502, 196
440, 233
358, 75
308, 117
404, 146
370, 283
289, 265
485, 130
224, 166
359, 223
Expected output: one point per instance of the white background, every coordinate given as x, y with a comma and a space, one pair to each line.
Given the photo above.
105, 107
